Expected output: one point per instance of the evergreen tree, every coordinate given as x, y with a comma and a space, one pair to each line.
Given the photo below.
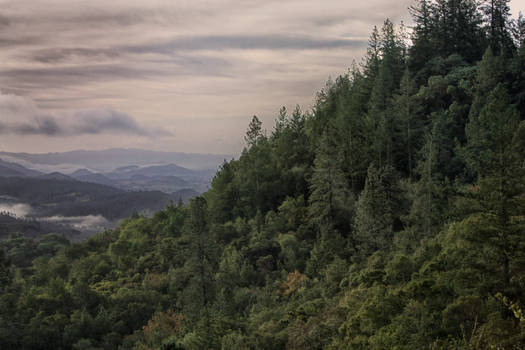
422, 48
348, 128
329, 192
499, 27
408, 126
496, 141
254, 132
375, 211
200, 292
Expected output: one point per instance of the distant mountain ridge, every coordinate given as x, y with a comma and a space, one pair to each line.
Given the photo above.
14, 169
107, 160
57, 195
71, 199
167, 178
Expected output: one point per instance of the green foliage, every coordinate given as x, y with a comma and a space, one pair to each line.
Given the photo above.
391, 216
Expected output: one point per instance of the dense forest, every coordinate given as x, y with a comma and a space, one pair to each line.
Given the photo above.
390, 216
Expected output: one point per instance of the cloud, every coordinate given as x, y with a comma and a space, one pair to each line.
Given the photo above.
57, 55
22, 117
110, 121
43, 126
20, 210
89, 222
173, 47
245, 42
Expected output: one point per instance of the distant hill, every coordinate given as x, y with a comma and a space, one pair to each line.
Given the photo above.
68, 197
32, 228
4, 171
152, 171
166, 178
107, 160
98, 179
127, 169
80, 172
56, 176
14, 169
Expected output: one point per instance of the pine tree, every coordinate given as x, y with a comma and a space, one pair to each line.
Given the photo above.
329, 193
348, 129
428, 210
499, 24
224, 194
375, 211
421, 50
495, 148
408, 126
254, 132
200, 292
373, 55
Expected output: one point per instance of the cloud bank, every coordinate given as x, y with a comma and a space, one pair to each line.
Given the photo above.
20, 116
20, 210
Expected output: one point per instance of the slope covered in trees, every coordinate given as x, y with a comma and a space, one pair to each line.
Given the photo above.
391, 216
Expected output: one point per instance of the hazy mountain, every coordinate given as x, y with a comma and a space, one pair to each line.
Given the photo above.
152, 171
32, 228
166, 178
56, 176
107, 160
80, 172
98, 179
87, 200
61, 195
60, 204
14, 169
4, 171
127, 169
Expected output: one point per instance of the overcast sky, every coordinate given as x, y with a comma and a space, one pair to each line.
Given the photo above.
174, 75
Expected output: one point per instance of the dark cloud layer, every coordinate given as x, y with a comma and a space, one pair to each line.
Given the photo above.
246, 42
213, 42
46, 126
25, 120
110, 121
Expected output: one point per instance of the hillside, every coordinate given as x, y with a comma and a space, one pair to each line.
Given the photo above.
390, 216
31, 228
57, 194
13, 169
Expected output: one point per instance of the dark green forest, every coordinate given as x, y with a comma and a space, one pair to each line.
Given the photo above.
390, 216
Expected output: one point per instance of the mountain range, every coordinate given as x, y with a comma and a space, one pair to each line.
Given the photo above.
93, 196
110, 159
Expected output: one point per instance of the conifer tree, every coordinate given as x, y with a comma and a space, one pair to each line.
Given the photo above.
375, 211
329, 193
495, 148
422, 35
200, 292
254, 132
349, 129
408, 126
500, 39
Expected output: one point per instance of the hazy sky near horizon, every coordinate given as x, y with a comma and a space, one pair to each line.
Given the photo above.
173, 75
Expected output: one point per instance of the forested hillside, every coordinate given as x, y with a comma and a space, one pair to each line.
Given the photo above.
391, 216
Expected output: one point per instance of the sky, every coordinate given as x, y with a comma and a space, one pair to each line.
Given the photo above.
170, 75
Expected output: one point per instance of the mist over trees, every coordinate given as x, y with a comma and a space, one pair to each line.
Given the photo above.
390, 216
